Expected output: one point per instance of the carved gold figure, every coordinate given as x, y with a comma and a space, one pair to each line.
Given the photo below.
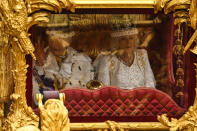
17, 16
54, 115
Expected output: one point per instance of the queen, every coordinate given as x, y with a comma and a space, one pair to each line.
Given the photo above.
127, 67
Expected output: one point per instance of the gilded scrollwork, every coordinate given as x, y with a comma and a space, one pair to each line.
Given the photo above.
16, 17
6, 66
28, 128
53, 114
193, 21
52, 5
187, 122
193, 14
38, 10
171, 5
19, 116
111, 125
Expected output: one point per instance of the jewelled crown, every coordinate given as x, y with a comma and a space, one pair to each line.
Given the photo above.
124, 29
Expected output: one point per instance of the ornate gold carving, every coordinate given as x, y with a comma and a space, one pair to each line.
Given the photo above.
159, 5
16, 17
52, 5
121, 125
28, 128
19, 108
193, 14
15, 44
191, 40
187, 122
113, 126
6, 66
37, 16
54, 115
193, 21
171, 5
114, 3
178, 51
19, 115
181, 15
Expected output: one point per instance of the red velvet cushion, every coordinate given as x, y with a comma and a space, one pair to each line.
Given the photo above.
116, 102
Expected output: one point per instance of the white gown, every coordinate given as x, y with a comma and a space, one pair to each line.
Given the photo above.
112, 72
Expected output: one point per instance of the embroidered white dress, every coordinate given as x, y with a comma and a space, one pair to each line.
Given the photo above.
111, 71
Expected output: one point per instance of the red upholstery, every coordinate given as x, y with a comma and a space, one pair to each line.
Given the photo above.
113, 103
116, 102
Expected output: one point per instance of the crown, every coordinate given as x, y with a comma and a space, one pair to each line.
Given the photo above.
124, 29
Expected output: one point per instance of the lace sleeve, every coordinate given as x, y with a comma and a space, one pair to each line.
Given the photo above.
149, 79
101, 65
